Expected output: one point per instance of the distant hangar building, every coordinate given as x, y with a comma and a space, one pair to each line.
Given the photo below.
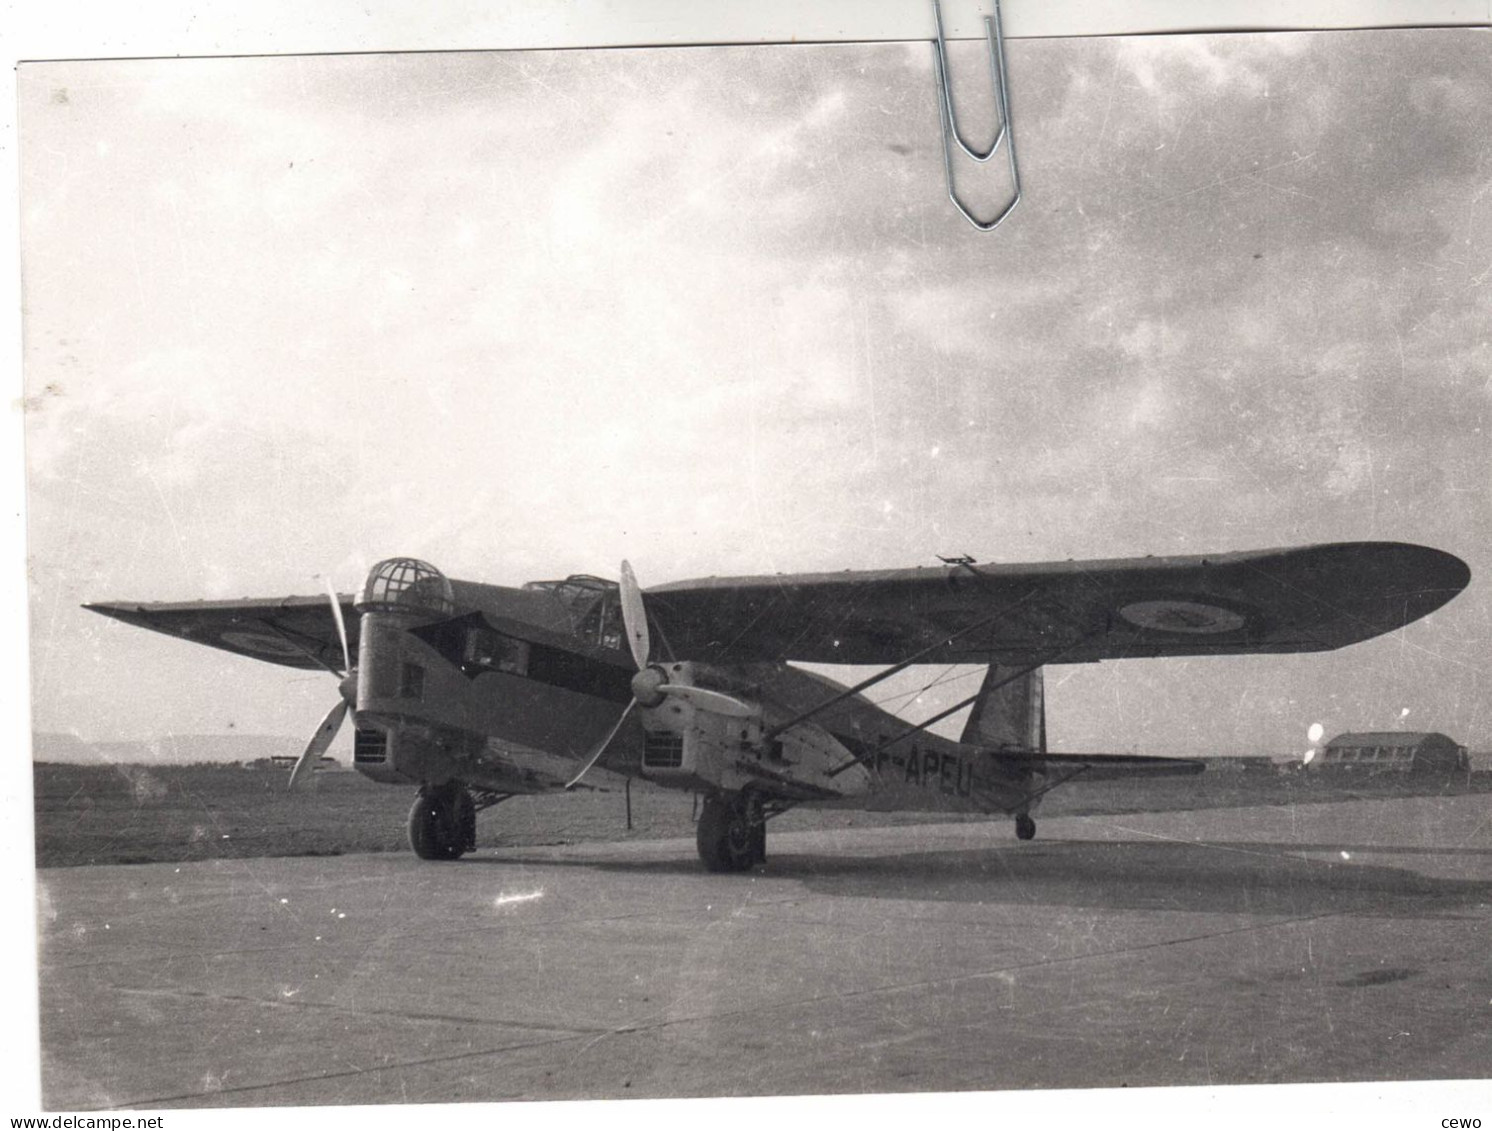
1399, 750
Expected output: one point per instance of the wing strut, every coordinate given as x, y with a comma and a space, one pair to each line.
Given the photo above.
772, 732
1049, 658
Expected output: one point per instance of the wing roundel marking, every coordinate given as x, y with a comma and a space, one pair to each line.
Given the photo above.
261, 643
1195, 618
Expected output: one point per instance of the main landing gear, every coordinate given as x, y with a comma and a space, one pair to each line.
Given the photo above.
732, 832
1025, 826
443, 822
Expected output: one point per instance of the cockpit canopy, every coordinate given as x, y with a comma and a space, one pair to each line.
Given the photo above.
407, 585
593, 604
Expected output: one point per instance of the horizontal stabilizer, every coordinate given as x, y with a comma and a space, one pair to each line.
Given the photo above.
1105, 767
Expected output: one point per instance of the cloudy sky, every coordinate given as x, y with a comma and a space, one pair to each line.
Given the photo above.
525, 314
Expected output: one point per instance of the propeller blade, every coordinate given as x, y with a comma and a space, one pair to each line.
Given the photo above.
635, 619
341, 627
708, 700
319, 743
601, 746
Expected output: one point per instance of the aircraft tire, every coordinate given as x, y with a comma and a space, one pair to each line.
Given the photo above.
724, 835
759, 843
467, 813
442, 822
1025, 826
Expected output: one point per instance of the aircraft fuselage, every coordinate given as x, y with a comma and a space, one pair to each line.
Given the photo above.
507, 690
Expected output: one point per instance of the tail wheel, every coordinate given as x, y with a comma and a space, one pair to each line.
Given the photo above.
443, 822
731, 835
1025, 826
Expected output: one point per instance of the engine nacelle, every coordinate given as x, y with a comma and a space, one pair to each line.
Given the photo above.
689, 746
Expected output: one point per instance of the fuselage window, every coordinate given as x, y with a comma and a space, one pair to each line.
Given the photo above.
593, 607
492, 651
602, 623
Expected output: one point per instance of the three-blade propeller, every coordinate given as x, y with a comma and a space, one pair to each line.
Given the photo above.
650, 685
327, 731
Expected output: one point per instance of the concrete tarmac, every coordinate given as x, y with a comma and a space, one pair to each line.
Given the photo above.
1339, 942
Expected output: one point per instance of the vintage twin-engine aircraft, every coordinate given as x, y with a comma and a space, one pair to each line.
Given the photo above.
480, 692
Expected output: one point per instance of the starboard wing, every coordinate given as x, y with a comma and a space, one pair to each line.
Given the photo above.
298, 632
1308, 599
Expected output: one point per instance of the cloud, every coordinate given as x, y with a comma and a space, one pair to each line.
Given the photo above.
526, 313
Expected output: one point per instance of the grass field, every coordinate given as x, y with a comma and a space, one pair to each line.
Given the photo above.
131, 814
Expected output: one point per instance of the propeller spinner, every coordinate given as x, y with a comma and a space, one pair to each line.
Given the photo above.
650, 686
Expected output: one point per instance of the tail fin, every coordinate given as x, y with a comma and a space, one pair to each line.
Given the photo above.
1011, 716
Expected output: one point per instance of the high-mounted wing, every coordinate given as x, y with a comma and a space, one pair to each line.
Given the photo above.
1310, 599
298, 632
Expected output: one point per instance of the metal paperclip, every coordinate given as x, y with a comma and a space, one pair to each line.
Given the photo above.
994, 37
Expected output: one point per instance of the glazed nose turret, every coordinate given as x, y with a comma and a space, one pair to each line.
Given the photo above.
407, 585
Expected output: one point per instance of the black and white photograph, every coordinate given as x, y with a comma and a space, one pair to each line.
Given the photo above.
888, 566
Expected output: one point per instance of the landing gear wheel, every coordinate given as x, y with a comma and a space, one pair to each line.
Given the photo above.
729, 839
1025, 827
443, 822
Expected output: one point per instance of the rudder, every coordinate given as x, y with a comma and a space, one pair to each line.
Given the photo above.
1010, 713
